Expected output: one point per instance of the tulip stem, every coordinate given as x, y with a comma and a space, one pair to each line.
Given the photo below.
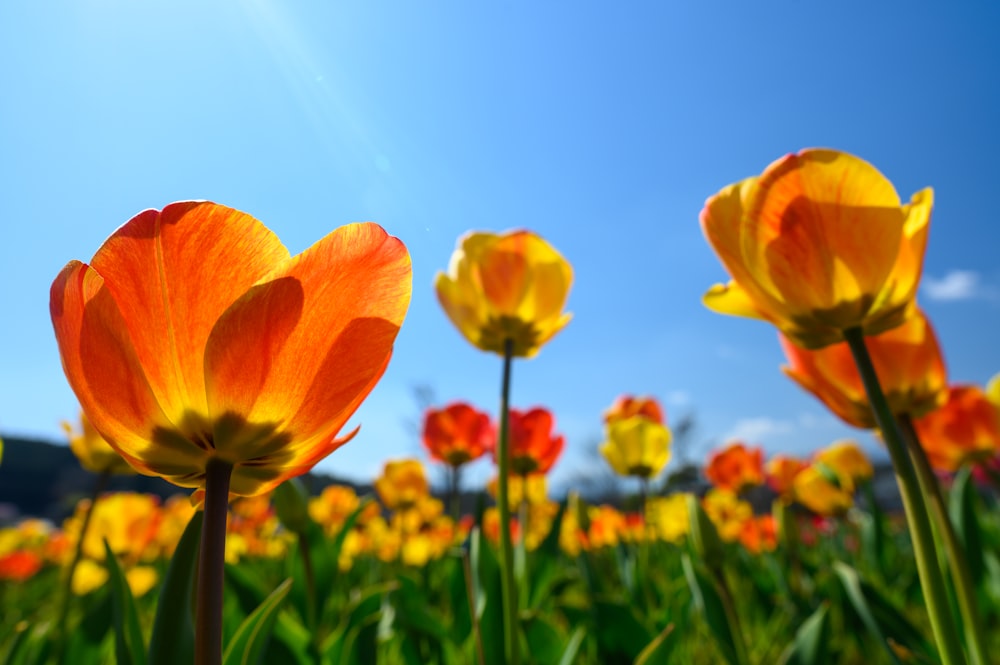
67, 591
508, 585
935, 598
960, 576
211, 564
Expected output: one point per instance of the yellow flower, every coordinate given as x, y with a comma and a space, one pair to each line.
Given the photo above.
508, 286
87, 576
95, 454
669, 516
823, 490
530, 488
817, 244
727, 511
141, 579
402, 484
637, 446
846, 458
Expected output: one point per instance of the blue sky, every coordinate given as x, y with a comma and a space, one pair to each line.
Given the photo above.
602, 127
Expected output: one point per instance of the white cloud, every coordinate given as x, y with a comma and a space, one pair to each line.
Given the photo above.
754, 430
956, 285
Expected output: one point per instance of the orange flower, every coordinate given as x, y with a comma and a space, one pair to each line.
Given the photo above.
817, 244
402, 484
735, 467
19, 566
627, 406
533, 447
95, 454
457, 433
511, 286
781, 471
193, 336
907, 360
760, 534
965, 429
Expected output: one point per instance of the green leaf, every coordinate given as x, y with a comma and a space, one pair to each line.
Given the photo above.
248, 644
620, 634
659, 650
881, 619
129, 649
573, 646
544, 640
172, 642
707, 599
962, 509
345, 645
811, 645
489, 602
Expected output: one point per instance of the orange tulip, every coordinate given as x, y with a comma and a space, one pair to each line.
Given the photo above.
19, 566
735, 467
457, 433
908, 362
780, 472
533, 447
193, 336
511, 286
760, 534
94, 453
627, 406
817, 244
965, 429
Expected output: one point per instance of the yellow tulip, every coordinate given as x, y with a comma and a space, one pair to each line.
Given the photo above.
817, 244
95, 454
506, 286
823, 490
637, 446
846, 458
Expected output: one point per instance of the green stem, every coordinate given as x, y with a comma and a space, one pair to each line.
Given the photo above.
931, 581
732, 618
960, 575
310, 581
211, 564
509, 587
473, 614
67, 591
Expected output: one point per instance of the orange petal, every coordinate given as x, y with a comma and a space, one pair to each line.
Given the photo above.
173, 274
103, 367
828, 228
314, 360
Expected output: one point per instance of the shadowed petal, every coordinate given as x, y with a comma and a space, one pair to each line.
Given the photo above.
104, 371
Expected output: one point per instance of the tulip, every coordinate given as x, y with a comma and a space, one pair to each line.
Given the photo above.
627, 406
847, 459
402, 484
533, 446
457, 434
823, 490
205, 354
780, 472
727, 511
735, 467
511, 286
636, 446
817, 244
193, 336
908, 361
965, 429
94, 453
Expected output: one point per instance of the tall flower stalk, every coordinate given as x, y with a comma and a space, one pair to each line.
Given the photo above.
928, 566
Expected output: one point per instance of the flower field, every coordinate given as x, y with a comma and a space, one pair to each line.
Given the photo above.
203, 353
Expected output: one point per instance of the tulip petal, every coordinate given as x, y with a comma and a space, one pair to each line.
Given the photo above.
173, 273
827, 231
321, 355
731, 299
104, 371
